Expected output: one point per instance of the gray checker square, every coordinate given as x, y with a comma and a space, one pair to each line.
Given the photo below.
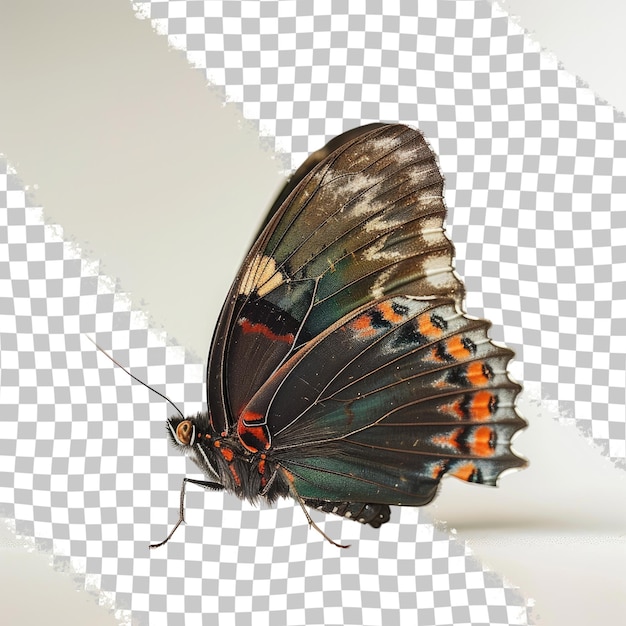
536, 176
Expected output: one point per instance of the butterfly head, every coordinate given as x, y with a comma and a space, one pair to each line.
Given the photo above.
192, 435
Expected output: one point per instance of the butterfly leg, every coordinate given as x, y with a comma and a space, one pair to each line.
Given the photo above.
269, 483
301, 502
181, 517
373, 514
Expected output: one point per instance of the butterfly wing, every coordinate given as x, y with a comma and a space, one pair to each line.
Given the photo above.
364, 222
379, 407
311, 161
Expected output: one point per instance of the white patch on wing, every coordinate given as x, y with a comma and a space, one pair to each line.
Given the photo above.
431, 230
366, 206
355, 190
384, 221
422, 172
438, 271
381, 145
378, 288
376, 251
262, 277
348, 183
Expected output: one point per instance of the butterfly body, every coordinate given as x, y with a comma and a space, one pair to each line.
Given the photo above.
343, 371
222, 456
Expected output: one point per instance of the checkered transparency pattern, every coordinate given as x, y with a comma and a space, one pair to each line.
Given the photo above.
535, 166
85, 470
536, 178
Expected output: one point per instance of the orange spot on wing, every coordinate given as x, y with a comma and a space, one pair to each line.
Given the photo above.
437, 470
483, 442
456, 408
449, 440
478, 408
457, 348
363, 325
386, 310
427, 328
482, 405
477, 374
465, 471
434, 356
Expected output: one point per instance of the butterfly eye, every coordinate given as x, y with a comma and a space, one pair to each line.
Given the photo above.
184, 432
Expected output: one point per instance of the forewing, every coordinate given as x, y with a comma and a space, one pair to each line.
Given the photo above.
381, 406
366, 222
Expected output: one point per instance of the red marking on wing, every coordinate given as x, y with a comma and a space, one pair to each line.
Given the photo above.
251, 418
253, 433
261, 329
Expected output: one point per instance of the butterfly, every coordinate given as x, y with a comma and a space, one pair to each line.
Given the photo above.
343, 371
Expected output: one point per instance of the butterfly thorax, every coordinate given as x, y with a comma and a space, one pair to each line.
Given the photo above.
224, 459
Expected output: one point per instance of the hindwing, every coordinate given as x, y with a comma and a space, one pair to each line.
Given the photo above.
379, 407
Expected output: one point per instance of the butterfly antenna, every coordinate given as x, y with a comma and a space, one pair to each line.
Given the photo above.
158, 393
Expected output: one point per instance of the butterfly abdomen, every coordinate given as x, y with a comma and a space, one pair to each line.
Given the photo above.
373, 514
